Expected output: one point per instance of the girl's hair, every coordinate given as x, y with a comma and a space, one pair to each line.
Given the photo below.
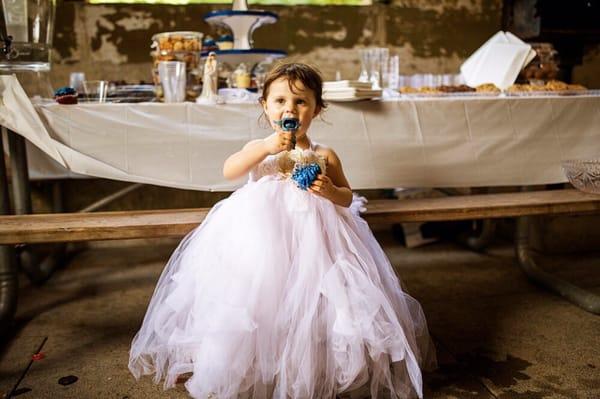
296, 71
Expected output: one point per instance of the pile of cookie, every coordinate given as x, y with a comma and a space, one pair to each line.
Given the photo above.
550, 86
490, 88
449, 89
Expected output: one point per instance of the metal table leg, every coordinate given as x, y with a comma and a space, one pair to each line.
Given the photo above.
584, 299
37, 268
8, 269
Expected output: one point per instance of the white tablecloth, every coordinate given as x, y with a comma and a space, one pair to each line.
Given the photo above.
425, 142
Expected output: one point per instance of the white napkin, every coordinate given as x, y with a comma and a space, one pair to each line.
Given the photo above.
499, 61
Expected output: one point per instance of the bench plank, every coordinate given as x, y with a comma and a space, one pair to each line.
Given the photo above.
68, 227
178, 222
482, 206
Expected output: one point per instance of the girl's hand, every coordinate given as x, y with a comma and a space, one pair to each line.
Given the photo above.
322, 186
278, 141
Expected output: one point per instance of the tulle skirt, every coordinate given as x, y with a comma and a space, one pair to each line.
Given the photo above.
281, 294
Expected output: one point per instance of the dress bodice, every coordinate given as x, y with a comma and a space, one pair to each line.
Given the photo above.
280, 164
268, 166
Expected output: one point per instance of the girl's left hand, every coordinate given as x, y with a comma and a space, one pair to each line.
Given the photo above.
322, 186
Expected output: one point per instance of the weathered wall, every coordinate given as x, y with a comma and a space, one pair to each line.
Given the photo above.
112, 42
588, 73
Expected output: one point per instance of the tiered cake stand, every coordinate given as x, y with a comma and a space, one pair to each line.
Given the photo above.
242, 24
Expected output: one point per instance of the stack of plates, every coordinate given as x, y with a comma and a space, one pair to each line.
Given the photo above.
348, 90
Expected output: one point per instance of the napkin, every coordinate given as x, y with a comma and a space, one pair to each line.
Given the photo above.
499, 61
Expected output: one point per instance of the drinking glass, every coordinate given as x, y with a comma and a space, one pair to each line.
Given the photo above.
95, 90
76, 80
375, 68
364, 65
172, 78
394, 73
384, 59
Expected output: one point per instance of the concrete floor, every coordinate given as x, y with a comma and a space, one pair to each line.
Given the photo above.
497, 335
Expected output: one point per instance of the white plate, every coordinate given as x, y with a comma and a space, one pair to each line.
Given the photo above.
347, 99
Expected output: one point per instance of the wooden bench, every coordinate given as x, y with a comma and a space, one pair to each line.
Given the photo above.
68, 227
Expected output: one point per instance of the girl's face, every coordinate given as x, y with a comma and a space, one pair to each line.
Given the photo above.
283, 102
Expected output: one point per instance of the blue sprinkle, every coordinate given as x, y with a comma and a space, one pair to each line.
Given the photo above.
305, 175
63, 91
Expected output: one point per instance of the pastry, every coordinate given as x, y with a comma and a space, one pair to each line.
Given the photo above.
66, 95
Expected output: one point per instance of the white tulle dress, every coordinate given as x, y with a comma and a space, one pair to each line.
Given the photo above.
282, 294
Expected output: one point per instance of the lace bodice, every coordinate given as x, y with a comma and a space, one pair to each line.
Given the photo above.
268, 166
282, 163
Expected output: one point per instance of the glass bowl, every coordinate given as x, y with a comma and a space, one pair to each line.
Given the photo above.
583, 174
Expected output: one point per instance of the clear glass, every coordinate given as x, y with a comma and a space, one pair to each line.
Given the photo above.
31, 25
76, 80
448, 79
364, 65
95, 90
384, 59
417, 80
172, 78
394, 73
375, 68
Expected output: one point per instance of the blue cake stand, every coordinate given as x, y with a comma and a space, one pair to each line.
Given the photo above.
250, 57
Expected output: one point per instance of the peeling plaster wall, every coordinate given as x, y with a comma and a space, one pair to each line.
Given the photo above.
112, 41
431, 36
588, 73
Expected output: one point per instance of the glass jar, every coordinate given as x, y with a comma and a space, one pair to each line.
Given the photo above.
178, 46
27, 27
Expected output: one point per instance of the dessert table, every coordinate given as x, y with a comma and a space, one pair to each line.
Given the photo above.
418, 142
421, 142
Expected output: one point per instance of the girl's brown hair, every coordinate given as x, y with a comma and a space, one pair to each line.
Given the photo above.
296, 71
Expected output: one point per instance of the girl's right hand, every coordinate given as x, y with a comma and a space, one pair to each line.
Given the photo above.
278, 141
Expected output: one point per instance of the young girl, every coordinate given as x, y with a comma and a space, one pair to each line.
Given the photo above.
284, 292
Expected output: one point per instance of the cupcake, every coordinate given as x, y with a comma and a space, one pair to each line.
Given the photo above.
66, 95
209, 44
225, 42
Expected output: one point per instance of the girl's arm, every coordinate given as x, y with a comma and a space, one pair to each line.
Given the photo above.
241, 162
334, 186
254, 152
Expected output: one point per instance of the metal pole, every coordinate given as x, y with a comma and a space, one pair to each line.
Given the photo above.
37, 269
584, 299
20, 174
110, 198
8, 269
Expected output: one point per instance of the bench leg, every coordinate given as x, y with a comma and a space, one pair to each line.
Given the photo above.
580, 297
8, 270
479, 242
488, 229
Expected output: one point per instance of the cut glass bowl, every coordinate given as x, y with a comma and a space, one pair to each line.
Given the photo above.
583, 174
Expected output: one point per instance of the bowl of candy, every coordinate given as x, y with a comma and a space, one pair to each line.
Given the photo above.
584, 175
